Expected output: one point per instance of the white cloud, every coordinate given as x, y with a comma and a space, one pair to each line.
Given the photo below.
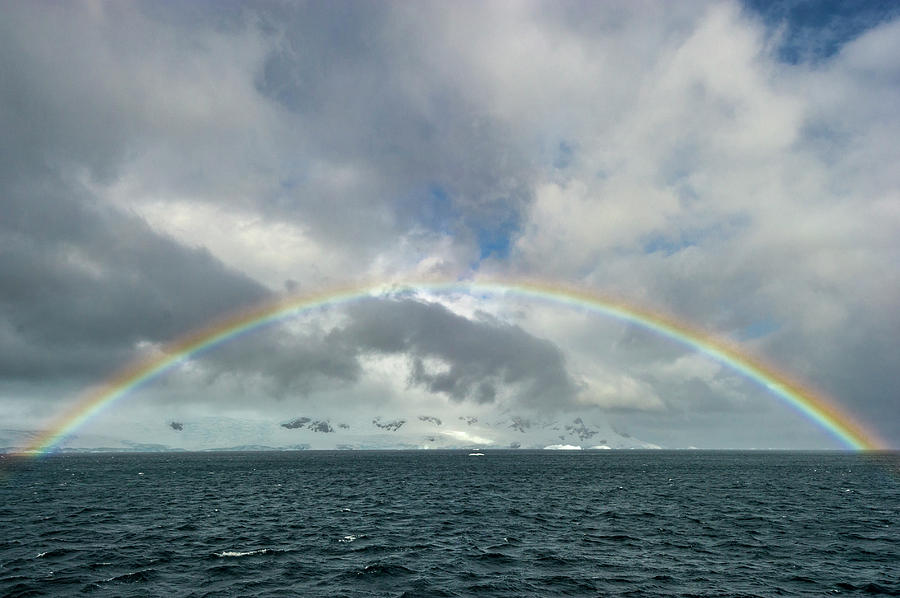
270, 251
620, 392
467, 437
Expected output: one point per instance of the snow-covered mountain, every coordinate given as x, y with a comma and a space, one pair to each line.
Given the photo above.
414, 431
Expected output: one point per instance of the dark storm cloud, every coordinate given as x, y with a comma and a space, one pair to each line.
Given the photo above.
286, 364
451, 355
477, 357
82, 282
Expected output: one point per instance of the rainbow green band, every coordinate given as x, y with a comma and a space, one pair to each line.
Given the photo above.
813, 405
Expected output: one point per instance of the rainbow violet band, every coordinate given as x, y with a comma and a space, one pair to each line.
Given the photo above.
816, 407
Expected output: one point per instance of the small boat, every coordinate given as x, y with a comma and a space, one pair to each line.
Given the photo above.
476, 454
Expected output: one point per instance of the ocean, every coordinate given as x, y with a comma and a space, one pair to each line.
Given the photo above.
423, 523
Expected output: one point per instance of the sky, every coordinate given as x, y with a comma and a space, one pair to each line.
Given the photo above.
731, 165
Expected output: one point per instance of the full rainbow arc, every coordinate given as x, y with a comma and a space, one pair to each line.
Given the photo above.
820, 410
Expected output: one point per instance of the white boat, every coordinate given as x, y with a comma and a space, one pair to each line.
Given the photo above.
476, 454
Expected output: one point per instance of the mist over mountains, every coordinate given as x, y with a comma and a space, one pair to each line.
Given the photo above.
307, 432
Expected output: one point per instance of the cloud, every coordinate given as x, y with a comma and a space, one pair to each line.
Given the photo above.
86, 285
466, 437
733, 165
476, 360
476, 357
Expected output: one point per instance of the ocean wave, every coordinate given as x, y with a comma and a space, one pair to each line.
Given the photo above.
524, 523
132, 577
384, 569
239, 553
349, 538
53, 552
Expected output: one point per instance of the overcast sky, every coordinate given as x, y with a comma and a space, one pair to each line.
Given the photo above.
731, 164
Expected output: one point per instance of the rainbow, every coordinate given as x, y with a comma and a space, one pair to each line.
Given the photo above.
815, 406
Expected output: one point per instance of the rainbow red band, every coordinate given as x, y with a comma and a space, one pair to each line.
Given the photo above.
814, 405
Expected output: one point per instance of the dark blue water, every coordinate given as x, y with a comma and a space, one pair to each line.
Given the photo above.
446, 524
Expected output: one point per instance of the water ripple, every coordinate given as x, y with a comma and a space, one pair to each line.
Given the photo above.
413, 524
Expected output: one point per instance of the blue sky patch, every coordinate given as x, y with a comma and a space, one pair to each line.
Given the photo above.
817, 29
495, 237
